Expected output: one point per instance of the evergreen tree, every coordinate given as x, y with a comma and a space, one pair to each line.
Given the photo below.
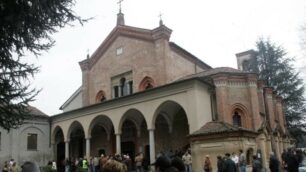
276, 69
25, 27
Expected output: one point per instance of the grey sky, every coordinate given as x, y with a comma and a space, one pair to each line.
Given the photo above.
214, 31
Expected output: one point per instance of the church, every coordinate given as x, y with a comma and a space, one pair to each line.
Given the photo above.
141, 92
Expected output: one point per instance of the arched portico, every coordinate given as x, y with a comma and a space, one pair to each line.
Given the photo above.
171, 128
76, 142
58, 142
101, 136
133, 133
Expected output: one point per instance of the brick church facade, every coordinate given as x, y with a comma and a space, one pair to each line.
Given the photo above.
142, 93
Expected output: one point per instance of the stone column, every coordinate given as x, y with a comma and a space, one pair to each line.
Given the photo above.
269, 147
262, 144
152, 145
277, 148
118, 143
88, 148
281, 145
53, 148
67, 149
119, 90
128, 88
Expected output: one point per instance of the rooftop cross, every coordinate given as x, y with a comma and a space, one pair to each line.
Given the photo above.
87, 53
160, 19
160, 16
119, 2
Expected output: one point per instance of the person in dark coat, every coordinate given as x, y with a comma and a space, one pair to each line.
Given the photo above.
273, 163
292, 162
256, 166
219, 163
228, 164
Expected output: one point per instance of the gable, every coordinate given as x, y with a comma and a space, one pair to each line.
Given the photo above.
120, 30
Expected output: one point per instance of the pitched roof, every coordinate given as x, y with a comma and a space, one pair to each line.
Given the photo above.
71, 98
188, 55
218, 127
36, 112
215, 71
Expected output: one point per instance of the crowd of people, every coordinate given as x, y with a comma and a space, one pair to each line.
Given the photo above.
10, 166
182, 162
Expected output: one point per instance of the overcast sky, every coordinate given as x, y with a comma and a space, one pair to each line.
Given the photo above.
214, 31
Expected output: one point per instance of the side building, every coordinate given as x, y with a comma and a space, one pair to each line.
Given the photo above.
30, 142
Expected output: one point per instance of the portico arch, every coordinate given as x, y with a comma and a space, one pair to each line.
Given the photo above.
55, 132
58, 142
133, 132
102, 137
133, 115
76, 138
171, 128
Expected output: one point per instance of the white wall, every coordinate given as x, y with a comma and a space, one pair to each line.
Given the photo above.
14, 143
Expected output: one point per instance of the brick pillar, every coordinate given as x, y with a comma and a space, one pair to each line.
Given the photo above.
85, 81
252, 81
280, 113
221, 98
269, 106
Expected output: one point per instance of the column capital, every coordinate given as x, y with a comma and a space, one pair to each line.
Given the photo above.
88, 138
117, 134
151, 129
67, 141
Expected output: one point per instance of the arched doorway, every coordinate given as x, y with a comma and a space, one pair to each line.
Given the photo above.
59, 144
134, 134
171, 129
102, 137
249, 156
129, 138
77, 141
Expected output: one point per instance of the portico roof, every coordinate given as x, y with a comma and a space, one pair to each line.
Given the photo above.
220, 127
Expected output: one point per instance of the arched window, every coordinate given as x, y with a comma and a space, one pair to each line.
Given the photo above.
148, 86
146, 83
237, 119
123, 87
100, 97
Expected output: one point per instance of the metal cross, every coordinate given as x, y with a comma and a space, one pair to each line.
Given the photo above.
160, 16
119, 2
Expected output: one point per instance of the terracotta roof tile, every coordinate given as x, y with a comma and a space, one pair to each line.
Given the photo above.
215, 127
215, 71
